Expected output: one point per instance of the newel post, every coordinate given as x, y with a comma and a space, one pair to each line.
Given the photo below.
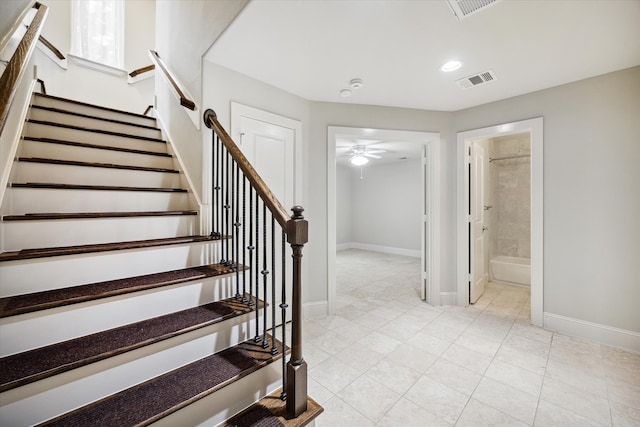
297, 236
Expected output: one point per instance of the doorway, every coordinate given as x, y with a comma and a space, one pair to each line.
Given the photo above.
430, 286
469, 273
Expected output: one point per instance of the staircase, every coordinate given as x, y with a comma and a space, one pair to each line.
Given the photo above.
114, 309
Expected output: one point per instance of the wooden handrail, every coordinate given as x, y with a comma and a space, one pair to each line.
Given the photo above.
52, 48
271, 201
142, 70
175, 86
18, 62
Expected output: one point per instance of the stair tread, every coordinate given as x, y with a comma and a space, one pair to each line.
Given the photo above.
27, 303
94, 187
95, 146
93, 164
100, 247
270, 411
114, 110
32, 365
91, 215
89, 116
163, 395
93, 130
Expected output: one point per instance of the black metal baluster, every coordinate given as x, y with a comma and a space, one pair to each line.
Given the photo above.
283, 308
215, 231
257, 337
265, 272
227, 207
244, 238
251, 247
236, 225
274, 349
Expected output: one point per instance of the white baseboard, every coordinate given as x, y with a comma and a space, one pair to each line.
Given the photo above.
615, 337
313, 309
377, 248
448, 298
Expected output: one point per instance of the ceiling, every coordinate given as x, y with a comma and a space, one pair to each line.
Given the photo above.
314, 48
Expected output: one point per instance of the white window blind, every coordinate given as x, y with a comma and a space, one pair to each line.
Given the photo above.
97, 31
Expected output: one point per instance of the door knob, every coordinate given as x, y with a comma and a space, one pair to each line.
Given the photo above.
484, 228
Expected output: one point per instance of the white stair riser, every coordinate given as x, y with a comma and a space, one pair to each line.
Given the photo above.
20, 201
38, 130
36, 275
34, 403
98, 112
221, 405
90, 123
31, 234
86, 175
83, 154
33, 330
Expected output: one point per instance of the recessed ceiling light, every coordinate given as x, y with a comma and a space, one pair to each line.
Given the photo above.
345, 93
356, 83
451, 66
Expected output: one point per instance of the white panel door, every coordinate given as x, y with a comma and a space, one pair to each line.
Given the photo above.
479, 170
270, 149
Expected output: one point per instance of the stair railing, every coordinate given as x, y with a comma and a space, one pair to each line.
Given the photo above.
18, 63
246, 211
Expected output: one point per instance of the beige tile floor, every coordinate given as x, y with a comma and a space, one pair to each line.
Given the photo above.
389, 359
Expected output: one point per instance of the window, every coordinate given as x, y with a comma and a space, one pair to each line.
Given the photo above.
97, 31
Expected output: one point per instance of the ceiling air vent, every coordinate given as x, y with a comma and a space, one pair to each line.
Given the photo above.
463, 8
477, 79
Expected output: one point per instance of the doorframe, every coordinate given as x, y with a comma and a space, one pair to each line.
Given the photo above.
240, 110
431, 140
535, 129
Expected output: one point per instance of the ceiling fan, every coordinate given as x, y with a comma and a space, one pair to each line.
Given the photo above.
359, 154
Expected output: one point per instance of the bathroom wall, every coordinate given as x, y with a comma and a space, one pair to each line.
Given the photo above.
510, 196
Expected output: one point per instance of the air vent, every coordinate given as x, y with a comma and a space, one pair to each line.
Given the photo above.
477, 79
464, 8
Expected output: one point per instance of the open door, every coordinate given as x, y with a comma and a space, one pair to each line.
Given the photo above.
479, 163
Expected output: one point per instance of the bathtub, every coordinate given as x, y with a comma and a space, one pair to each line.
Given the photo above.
512, 270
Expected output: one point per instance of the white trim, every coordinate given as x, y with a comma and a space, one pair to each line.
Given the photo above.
383, 249
314, 309
448, 298
62, 63
615, 337
432, 141
535, 129
203, 209
97, 66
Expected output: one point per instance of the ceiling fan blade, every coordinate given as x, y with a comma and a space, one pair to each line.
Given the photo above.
376, 151
373, 156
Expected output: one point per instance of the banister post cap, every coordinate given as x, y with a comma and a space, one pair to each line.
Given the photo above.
297, 212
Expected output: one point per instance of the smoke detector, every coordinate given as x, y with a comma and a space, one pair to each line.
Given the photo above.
477, 79
463, 8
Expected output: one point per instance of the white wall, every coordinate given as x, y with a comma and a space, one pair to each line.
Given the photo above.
184, 32
591, 202
385, 204
344, 200
10, 11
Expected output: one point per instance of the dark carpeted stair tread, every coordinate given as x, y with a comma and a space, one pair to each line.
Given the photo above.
100, 247
94, 187
94, 117
33, 365
93, 164
163, 395
93, 130
27, 303
271, 411
95, 146
92, 215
